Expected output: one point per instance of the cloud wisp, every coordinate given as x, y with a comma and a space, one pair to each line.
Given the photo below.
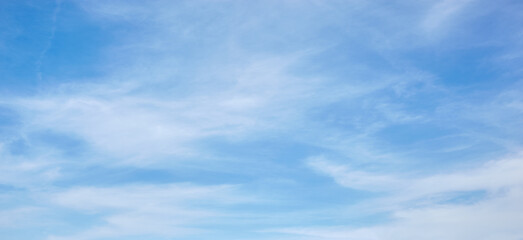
484, 198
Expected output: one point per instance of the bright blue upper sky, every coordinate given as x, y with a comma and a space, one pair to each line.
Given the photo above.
262, 120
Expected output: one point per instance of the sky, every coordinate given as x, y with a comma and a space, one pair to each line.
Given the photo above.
261, 120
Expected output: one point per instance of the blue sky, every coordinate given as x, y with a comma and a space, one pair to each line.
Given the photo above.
280, 120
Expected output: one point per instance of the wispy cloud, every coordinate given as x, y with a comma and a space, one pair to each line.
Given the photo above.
494, 218
50, 39
492, 176
432, 206
442, 13
157, 210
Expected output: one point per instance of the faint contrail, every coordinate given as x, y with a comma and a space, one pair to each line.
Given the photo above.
58, 4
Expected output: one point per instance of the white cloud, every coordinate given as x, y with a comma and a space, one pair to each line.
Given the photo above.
347, 177
442, 13
21, 171
141, 128
20, 217
157, 210
491, 176
498, 217
423, 207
